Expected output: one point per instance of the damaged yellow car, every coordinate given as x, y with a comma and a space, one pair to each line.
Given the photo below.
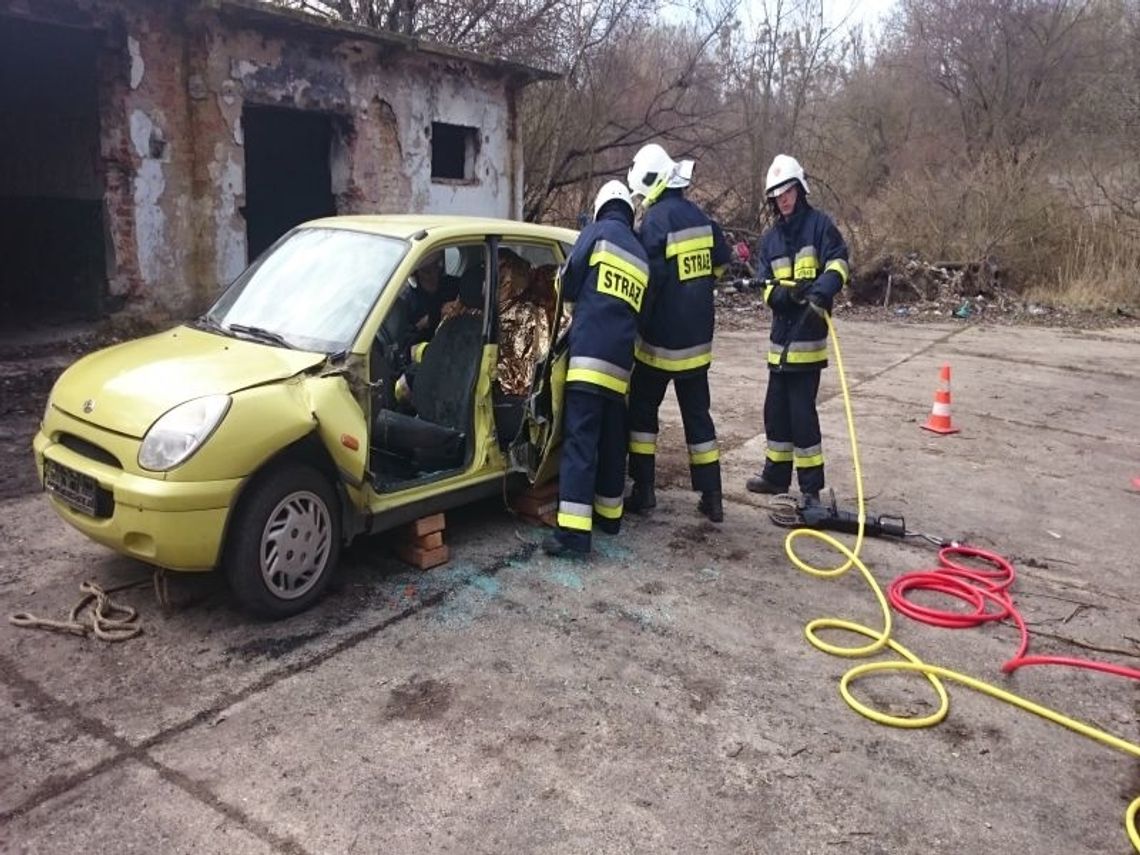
363, 372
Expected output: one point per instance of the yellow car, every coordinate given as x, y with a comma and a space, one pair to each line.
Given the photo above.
320, 398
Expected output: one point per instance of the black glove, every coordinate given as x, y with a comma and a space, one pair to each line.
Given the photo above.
817, 297
781, 298
800, 292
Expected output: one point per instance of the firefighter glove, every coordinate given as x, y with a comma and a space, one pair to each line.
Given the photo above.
781, 298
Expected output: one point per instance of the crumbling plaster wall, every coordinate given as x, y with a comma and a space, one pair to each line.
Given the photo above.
143, 168
383, 105
172, 81
147, 169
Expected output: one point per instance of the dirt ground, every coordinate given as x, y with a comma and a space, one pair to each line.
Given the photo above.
660, 697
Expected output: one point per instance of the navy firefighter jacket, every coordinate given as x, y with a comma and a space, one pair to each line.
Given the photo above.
804, 251
686, 252
606, 278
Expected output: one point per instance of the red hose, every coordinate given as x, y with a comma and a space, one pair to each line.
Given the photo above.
987, 592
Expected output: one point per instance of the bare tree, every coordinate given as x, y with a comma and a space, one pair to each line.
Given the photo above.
628, 83
1001, 65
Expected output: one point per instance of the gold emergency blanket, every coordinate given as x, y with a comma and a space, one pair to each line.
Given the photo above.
525, 307
527, 300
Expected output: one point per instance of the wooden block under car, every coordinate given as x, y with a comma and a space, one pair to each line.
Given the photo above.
428, 541
427, 525
420, 558
538, 505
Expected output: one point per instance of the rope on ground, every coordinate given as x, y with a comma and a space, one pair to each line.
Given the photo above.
95, 614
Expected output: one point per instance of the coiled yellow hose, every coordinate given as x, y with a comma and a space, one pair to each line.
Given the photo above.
881, 639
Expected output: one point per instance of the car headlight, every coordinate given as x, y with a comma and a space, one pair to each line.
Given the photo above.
181, 431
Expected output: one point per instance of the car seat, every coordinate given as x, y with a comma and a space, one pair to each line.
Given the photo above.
444, 391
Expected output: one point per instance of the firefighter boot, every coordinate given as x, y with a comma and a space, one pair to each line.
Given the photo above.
758, 484
641, 498
711, 505
605, 525
567, 544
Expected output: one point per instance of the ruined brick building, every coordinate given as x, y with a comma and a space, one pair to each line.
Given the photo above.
150, 148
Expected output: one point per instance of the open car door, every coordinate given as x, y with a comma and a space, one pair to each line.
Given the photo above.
535, 451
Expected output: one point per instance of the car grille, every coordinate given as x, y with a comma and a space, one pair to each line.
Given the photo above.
89, 450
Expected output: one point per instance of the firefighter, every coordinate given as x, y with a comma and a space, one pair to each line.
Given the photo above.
687, 252
804, 260
605, 278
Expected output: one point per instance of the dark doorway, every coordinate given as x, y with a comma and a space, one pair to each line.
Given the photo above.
287, 175
52, 255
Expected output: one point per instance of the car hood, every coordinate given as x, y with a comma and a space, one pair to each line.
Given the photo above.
125, 388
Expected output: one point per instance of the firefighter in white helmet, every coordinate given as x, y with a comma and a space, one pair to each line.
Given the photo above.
803, 260
687, 252
605, 278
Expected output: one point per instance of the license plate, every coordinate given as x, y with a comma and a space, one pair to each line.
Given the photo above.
71, 487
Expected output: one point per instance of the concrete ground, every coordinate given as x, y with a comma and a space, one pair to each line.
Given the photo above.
658, 698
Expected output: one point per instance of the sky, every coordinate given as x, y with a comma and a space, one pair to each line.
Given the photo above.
867, 12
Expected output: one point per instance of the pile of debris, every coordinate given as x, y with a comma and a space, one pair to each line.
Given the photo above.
916, 286
909, 287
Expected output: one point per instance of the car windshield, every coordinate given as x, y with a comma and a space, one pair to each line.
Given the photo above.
312, 291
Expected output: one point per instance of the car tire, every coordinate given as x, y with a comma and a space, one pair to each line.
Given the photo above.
284, 541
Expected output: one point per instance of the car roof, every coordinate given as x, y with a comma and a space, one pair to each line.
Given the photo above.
437, 225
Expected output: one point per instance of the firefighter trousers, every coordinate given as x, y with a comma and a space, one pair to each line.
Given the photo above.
591, 476
646, 392
791, 423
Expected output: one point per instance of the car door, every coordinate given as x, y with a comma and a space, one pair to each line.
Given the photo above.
535, 449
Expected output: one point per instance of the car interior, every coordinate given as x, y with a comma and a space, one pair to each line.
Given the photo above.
423, 405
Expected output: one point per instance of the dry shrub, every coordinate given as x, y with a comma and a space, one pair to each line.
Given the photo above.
1098, 267
1012, 214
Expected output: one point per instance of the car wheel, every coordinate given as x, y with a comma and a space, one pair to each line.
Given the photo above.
284, 542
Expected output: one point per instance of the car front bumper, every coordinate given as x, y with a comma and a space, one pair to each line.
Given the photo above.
172, 524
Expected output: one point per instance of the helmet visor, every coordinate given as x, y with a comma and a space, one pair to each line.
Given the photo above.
781, 187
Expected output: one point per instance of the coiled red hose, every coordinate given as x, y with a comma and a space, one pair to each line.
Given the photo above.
987, 591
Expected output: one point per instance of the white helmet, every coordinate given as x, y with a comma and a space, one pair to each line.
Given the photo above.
784, 170
653, 170
612, 191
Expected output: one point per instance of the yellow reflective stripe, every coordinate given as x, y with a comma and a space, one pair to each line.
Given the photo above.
840, 267
806, 267
782, 272
809, 461
778, 456
786, 283
681, 246
575, 515
575, 522
606, 381
702, 457
655, 191
798, 356
642, 447
418, 351
636, 274
666, 364
609, 512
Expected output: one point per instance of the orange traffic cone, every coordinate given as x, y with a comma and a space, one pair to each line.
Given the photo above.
939, 421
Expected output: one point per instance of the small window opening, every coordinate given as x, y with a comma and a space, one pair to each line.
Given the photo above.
453, 150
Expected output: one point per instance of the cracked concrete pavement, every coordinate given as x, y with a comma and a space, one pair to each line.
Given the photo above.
660, 697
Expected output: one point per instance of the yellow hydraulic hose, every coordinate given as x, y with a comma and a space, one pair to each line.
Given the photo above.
880, 639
